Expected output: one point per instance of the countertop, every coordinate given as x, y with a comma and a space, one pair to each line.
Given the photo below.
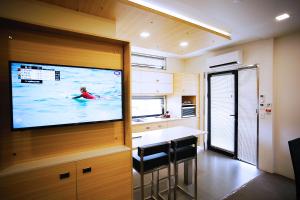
61, 159
163, 135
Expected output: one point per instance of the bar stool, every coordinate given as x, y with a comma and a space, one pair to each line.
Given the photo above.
184, 149
151, 158
294, 146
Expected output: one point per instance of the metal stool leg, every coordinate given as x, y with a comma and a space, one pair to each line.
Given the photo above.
142, 186
176, 178
169, 179
152, 183
157, 184
195, 184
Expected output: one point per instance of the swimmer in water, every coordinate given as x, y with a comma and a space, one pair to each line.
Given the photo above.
85, 94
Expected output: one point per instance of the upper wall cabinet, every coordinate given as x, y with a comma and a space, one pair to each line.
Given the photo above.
186, 84
151, 83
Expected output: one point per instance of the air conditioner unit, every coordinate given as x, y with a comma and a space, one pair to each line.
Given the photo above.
229, 60
145, 60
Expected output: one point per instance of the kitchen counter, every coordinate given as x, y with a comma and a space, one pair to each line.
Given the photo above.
149, 120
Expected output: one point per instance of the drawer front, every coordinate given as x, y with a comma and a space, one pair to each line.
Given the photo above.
188, 122
149, 127
57, 182
161, 125
138, 128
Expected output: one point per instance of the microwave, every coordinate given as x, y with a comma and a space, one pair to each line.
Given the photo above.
188, 110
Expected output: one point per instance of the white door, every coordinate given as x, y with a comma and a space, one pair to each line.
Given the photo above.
247, 116
222, 120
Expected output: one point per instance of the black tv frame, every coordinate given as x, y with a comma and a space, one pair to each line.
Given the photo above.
61, 125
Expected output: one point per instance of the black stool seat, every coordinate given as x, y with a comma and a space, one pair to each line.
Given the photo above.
150, 162
183, 153
294, 146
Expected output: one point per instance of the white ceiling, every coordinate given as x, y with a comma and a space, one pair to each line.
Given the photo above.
246, 20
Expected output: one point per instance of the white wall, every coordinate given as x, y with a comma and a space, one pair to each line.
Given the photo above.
175, 65
287, 102
258, 52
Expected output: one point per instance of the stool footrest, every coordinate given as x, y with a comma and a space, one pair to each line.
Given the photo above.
185, 192
139, 187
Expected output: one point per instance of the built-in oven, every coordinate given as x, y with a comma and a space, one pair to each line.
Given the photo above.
188, 110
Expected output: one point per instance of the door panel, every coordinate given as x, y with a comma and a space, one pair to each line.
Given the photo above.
107, 177
222, 117
247, 116
50, 183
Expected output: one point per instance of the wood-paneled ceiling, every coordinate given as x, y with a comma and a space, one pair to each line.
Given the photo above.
166, 33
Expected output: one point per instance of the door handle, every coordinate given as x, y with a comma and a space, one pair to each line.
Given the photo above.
232, 115
87, 170
64, 175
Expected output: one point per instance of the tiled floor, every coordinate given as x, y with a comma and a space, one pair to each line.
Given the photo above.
266, 186
218, 176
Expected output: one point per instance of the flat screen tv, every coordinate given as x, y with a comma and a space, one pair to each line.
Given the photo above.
51, 95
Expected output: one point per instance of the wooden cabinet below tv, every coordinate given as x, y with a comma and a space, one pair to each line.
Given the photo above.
86, 175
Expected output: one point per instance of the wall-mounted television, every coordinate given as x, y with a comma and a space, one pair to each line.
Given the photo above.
45, 95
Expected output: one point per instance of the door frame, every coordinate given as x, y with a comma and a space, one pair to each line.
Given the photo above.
227, 153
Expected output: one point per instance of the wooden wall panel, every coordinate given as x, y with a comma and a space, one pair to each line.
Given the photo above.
4, 105
35, 45
42, 184
23, 146
110, 178
46, 48
127, 78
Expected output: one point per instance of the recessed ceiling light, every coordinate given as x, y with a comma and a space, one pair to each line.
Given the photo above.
282, 17
181, 17
184, 44
144, 34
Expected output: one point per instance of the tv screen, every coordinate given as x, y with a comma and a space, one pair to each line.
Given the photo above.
49, 95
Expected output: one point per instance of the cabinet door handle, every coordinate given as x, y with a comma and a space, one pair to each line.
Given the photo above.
64, 175
86, 170
147, 127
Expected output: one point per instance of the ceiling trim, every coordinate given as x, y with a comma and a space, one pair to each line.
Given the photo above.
178, 17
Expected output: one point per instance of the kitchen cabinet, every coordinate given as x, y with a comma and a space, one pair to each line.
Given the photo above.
188, 122
186, 84
151, 83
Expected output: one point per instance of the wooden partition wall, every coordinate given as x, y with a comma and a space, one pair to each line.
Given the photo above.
32, 43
